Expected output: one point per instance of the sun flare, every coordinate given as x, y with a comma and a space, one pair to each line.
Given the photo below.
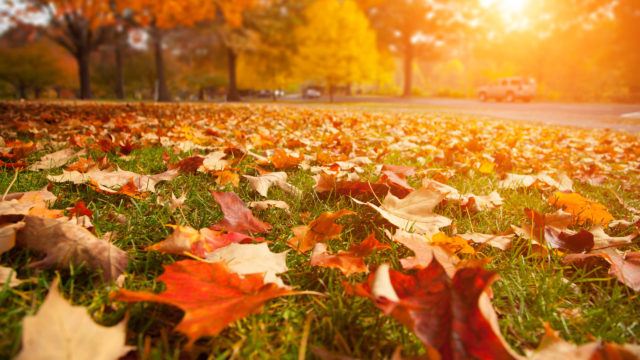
506, 7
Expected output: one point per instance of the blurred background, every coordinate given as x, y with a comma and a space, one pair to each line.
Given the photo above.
216, 50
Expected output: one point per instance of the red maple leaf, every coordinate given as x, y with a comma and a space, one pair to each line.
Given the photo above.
211, 296
80, 209
237, 217
447, 315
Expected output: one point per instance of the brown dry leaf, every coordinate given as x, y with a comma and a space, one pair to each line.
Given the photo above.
582, 209
56, 159
552, 347
61, 331
244, 259
414, 212
262, 183
66, 243
321, 229
8, 235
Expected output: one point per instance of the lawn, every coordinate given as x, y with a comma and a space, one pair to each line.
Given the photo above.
535, 287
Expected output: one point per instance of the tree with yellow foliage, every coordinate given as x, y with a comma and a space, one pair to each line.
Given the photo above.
336, 46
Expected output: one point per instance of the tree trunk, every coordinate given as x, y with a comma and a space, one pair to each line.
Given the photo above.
22, 91
119, 86
82, 58
162, 91
408, 68
331, 89
232, 92
37, 91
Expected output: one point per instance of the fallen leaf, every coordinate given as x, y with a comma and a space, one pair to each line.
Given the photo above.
424, 252
265, 204
502, 242
56, 159
186, 239
237, 217
321, 229
8, 276
349, 262
625, 267
514, 181
262, 183
582, 209
552, 347
414, 212
247, 259
445, 314
62, 331
66, 243
111, 181
227, 177
211, 296
282, 160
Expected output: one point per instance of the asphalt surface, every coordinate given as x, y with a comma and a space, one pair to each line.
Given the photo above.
612, 116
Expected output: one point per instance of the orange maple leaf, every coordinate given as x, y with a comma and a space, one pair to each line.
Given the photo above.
321, 229
282, 160
582, 209
211, 296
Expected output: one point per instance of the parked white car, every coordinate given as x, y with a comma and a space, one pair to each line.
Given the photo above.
509, 89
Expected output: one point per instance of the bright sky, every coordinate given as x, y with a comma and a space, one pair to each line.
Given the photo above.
512, 11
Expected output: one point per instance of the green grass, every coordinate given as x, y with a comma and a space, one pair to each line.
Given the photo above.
581, 304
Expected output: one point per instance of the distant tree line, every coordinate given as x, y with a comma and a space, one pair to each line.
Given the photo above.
197, 49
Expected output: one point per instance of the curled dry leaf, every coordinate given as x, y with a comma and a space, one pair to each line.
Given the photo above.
186, 239
66, 243
349, 262
414, 212
61, 331
247, 259
237, 217
449, 315
582, 209
321, 229
211, 296
262, 183
56, 159
624, 266
214, 162
552, 347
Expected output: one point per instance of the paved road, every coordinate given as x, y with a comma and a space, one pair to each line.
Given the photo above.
613, 116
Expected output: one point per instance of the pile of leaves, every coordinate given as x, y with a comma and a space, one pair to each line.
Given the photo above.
281, 230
